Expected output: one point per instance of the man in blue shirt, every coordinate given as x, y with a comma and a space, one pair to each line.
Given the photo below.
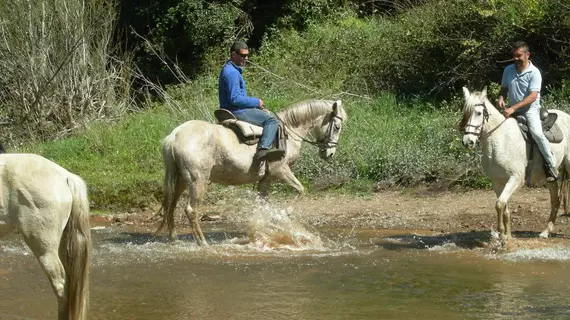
522, 81
233, 96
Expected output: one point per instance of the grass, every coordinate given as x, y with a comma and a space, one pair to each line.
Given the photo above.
388, 141
384, 140
121, 163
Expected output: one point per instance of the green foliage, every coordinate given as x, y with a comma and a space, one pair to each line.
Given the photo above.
405, 63
196, 34
421, 47
480, 182
429, 50
298, 15
558, 97
190, 30
402, 143
121, 163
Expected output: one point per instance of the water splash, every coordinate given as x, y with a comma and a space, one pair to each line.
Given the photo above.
271, 232
15, 249
272, 227
445, 247
557, 253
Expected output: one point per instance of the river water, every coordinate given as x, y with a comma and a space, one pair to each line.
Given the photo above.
282, 270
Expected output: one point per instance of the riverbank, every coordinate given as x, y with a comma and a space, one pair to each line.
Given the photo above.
443, 212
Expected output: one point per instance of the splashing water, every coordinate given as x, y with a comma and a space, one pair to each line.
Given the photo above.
270, 227
557, 253
20, 249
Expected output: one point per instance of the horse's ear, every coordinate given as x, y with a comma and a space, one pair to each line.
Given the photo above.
484, 92
466, 92
336, 106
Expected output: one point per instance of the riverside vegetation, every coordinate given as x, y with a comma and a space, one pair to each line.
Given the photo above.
398, 70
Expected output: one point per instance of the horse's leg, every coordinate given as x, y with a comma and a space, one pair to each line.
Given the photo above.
501, 205
507, 221
44, 245
564, 186
196, 187
554, 206
170, 206
195, 195
287, 176
498, 188
263, 186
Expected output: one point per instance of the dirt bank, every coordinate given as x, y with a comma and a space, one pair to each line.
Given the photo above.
412, 210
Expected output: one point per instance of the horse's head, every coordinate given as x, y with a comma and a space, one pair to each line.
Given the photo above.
328, 128
475, 114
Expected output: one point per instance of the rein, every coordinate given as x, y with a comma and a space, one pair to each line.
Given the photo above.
493, 130
327, 143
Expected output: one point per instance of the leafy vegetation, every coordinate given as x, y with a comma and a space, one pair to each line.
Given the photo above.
397, 65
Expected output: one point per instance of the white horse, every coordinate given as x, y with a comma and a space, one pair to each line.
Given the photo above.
505, 154
48, 206
197, 152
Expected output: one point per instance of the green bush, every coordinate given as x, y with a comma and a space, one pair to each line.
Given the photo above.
430, 50
403, 143
398, 133
196, 34
190, 34
412, 47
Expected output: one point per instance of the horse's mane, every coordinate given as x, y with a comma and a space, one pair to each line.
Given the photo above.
475, 98
308, 110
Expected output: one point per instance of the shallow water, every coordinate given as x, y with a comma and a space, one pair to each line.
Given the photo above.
336, 274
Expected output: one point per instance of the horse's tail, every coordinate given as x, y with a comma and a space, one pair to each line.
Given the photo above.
171, 179
76, 249
564, 192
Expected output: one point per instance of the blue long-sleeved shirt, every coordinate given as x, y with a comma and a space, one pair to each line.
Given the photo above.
231, 90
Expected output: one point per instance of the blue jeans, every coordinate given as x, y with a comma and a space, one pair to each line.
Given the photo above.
260, 118
535, 127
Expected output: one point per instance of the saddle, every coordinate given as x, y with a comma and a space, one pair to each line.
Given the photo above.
247, 132
549, 127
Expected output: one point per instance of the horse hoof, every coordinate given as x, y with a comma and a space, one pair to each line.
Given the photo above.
544, 234
504, 244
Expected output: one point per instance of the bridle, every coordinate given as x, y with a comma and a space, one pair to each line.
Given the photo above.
327, 142
322, 145
478, 129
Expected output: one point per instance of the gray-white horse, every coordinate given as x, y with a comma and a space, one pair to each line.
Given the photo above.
48, 206
505, 154
197, 152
